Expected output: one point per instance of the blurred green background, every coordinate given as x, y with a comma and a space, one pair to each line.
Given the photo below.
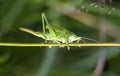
78, 16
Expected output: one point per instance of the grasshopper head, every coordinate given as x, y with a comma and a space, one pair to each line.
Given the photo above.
73, 38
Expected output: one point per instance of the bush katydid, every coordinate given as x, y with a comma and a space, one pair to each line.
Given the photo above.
55, 33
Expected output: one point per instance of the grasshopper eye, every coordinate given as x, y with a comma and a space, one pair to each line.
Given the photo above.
72, 38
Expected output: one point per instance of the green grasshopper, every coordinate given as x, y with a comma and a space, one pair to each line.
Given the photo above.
55, 33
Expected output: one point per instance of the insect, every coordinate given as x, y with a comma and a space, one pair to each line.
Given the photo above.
55, 33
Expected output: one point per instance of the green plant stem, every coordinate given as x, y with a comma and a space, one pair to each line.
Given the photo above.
62, 45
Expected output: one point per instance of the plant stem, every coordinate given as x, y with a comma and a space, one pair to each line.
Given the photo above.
62, 45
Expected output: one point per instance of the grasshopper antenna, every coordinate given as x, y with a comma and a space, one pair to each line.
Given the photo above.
90, 39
